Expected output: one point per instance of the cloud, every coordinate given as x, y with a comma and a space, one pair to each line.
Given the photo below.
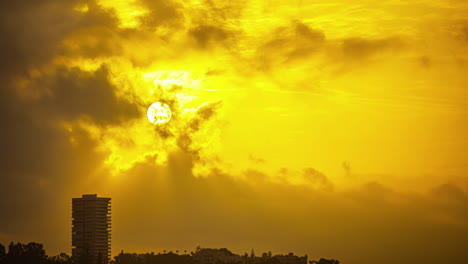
300, 45
361, 48
206, 35
317, 178
38, 164
75, 93
244, 212
347, 168
290, 43
166, 13
33, 32
38, 159
220, 10
464, 32
189, 139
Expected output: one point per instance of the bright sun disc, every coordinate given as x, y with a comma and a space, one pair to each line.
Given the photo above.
159, 113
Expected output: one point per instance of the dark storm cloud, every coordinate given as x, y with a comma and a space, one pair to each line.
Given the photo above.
75, 93
32, 31
38, 163
31, 35
96, 35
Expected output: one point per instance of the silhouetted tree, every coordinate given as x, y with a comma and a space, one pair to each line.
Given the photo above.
325, 261
32, 253
272, 260
169, 258
2, 253
62, 258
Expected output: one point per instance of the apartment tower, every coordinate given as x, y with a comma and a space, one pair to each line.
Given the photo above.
91, 224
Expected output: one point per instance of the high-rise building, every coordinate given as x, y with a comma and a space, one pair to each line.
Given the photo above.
91, 224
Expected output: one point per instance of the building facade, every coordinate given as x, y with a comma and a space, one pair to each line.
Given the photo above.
91, 229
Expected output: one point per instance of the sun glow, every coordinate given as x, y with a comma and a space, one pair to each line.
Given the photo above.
159, 113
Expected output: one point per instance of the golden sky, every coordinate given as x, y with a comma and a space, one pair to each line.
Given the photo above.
330, 128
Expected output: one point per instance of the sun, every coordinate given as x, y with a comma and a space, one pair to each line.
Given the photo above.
159, 113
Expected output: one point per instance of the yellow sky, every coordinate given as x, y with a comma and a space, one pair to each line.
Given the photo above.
376, 84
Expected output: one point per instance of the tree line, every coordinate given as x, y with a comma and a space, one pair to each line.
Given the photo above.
31, 253
34, 253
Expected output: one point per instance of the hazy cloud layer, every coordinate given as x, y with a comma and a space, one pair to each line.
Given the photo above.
380, 223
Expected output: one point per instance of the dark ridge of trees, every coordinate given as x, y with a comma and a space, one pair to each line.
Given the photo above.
32, 253
325, 261
151, 258
171, 258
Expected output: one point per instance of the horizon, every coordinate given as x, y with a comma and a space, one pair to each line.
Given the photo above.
335, 129
175, 251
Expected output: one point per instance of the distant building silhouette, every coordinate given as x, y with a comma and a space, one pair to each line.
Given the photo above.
91, 223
